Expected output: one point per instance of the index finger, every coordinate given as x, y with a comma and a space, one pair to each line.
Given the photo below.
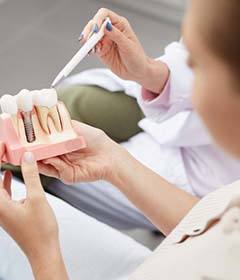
31, 176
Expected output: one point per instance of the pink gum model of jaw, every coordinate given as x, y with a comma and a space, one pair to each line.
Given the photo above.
45, 146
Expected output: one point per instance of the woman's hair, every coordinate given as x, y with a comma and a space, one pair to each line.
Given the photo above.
222, 30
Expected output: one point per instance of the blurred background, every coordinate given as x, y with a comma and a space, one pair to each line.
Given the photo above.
38, 37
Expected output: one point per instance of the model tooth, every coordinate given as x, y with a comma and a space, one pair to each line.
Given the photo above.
43, 113
54, 114
45, 101
51, 96
35, 96
24, 101
8, 104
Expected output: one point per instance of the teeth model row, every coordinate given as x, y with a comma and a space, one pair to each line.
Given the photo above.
43, 102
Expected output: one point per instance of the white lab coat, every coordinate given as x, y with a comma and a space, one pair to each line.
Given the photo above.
174, 132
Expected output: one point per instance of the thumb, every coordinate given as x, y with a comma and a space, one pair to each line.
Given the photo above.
31, 176
2, 151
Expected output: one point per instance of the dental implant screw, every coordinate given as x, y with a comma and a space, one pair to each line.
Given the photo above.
28, 126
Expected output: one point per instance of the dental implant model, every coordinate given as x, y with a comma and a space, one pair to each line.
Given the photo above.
25, 105
36, 121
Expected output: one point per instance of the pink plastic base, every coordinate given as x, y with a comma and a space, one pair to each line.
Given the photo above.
15, 150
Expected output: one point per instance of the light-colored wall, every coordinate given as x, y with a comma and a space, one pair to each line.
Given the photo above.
174, 3
168, 10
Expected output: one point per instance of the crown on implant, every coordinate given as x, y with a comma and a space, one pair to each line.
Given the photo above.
24, 100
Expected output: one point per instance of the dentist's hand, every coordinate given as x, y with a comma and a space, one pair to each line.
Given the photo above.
90, 164
31, 222
121, 51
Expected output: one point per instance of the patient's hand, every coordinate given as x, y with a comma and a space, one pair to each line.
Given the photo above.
31, 222
90, 164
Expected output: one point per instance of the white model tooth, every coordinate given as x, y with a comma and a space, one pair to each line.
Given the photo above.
45, 101
24, 101
8, 104
51, 97
50, 100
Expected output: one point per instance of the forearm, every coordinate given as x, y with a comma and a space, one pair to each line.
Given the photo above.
48, 263
156, 76
163, 203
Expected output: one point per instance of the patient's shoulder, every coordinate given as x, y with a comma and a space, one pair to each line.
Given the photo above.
208, 209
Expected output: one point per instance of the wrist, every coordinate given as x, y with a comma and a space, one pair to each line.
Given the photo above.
155, 76
121, 168
48, 261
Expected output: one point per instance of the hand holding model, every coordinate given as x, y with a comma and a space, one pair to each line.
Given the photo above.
121, 51
94, 162
40, 246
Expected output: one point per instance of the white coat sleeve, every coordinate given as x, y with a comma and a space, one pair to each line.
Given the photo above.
176, 96
174, 103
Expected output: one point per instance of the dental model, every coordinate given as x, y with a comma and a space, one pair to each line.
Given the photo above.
9, 106
36, 121
25, 105
45, 102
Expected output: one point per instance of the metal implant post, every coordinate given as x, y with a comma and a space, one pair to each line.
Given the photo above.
25, 105
28, 126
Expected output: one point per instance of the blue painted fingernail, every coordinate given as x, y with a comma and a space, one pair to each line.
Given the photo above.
80, 37
109, 26
95, 28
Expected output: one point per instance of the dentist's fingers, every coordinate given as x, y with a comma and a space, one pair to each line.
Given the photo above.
31, 176
95, 24
7, 181
102, 14
117, 37
86, 31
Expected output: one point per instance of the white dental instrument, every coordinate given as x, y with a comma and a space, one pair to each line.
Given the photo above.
79, 56
25, 105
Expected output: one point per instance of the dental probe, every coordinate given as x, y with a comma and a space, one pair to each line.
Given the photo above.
81, 54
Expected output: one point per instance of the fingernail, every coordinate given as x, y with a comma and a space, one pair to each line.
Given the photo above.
109, 26
28, 157
95, 28
80, 37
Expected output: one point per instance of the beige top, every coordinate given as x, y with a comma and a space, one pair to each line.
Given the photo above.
205, 245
